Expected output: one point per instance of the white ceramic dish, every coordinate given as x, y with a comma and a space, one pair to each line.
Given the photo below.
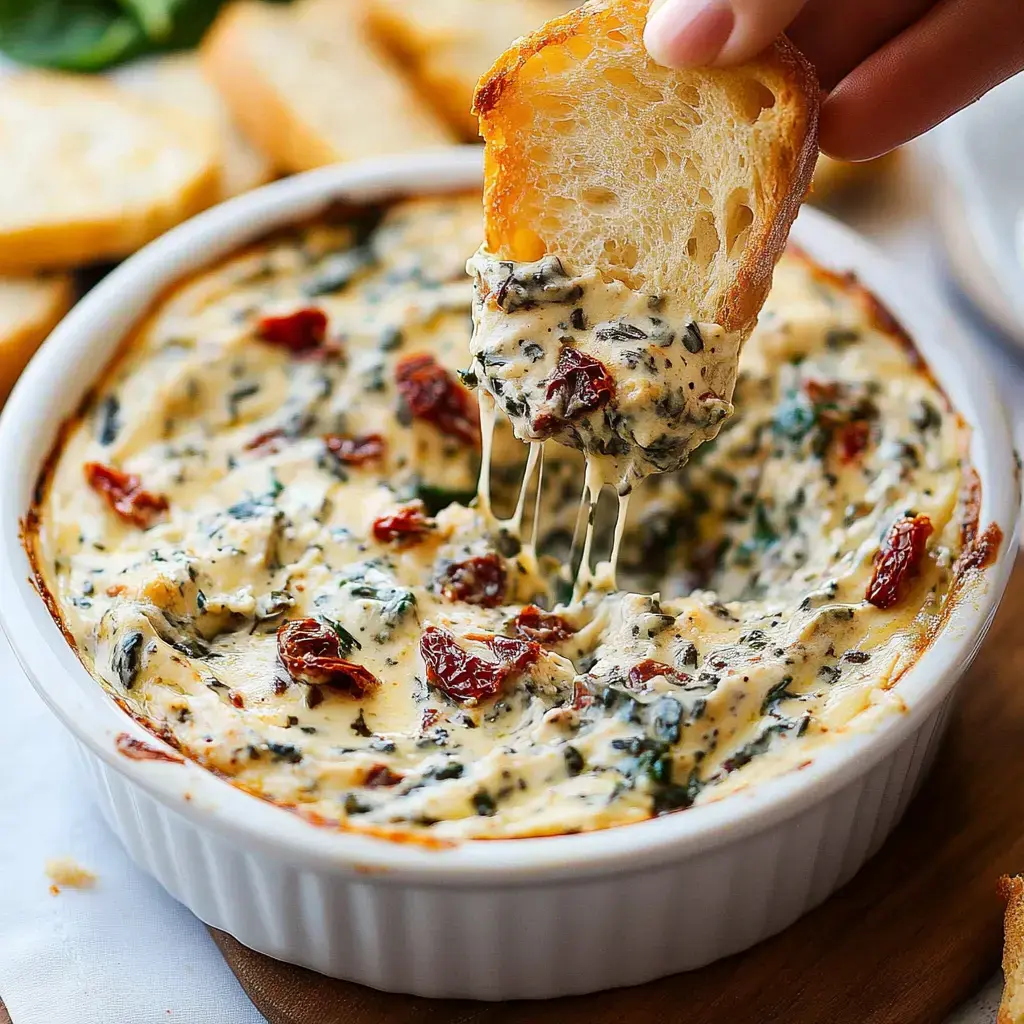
488, 920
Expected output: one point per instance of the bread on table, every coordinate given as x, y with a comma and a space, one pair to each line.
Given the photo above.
1011, 1009
308, 90
177, 80
92, 173
444, 46
30, 307
674, 182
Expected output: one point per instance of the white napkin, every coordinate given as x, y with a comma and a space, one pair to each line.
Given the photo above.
122, 952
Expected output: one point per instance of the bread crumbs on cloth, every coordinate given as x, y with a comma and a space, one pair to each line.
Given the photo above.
65, 872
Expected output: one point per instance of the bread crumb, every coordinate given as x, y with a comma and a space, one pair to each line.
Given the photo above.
66, 872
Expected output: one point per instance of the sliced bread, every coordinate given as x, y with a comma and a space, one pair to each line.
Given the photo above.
308, 90
1011, 1009
177, 80
90, 172
30, 307
674, 182
633, 218
446, 45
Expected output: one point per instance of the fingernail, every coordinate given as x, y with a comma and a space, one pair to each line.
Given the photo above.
688, 33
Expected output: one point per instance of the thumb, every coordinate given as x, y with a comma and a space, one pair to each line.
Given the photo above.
692, 33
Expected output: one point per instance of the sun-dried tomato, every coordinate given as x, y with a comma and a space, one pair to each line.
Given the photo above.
533, 624
822, 392
298, 332
898, 559
268, 441
406, 526
582, 697
518, 654
310, 653
852, 440
648, 669
435, 396
580, 382
380, 775
125, 495
356, 451
479, 580
464, 676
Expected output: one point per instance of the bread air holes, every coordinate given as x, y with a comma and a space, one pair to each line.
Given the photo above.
753, 99
621, 254
738, 218
599, 196
703, 243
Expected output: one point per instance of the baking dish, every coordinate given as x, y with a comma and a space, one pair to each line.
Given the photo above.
521, 918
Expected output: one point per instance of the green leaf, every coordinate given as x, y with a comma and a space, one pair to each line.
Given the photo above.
74, 36
155, 17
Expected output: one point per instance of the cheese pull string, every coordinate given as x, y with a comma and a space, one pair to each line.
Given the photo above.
488, 417
515, 524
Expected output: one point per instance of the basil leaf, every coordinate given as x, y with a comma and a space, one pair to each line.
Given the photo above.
72, 36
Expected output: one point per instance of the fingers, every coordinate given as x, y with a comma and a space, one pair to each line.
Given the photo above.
956, 53
691, 33
836, 35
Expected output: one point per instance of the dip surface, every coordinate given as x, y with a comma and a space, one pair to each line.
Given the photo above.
259, 534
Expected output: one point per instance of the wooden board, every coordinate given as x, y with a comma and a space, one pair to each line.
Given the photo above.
915, 933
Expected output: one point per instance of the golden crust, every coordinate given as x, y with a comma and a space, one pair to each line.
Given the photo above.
1011, 1009
265, 119
296, 125
508, 173
20, 338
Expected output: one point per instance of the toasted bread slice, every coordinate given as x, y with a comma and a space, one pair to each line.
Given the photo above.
446, 45
91, 173
674, 182
30, 307
308, 90
1011, 1009
178, 81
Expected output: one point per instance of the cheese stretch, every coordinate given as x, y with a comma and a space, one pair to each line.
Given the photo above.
261, 536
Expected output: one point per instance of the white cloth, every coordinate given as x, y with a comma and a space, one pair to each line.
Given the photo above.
122, 952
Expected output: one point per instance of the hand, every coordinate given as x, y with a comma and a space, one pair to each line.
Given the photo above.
890, 69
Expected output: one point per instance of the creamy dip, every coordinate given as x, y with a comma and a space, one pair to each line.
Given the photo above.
620, 376
260, 537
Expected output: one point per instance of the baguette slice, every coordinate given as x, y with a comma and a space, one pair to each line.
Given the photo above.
30, 307
306, 88
91, 173
1011, 1009
178, 81
683, 182
446, 45
633, 218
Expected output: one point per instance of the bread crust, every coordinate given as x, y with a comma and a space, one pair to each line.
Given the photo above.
271, 119
255, 104
507, 169
1011, 1009
20, 338
177, 81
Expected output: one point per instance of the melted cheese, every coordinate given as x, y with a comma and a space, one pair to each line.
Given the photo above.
669, 380
743, 575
